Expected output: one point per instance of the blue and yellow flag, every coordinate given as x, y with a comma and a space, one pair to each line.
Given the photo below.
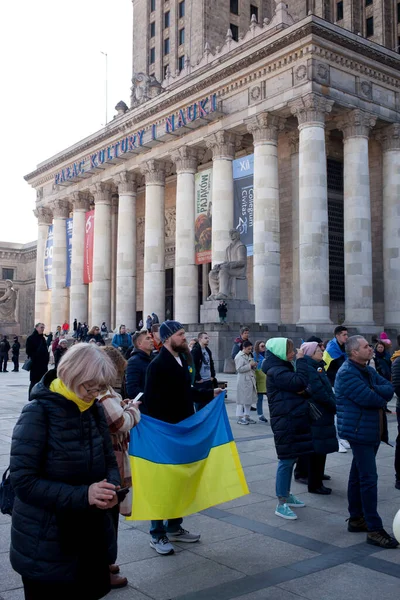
332, 352
181, 469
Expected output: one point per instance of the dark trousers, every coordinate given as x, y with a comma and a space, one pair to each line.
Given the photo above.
161, 528
39, 590
3, 362
15, 359
316, 469
301, 468
397, 452
362, 491
206, 386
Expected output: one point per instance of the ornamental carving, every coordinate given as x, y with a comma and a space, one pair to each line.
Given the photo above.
80, 201
44, 215
144, 87
154, 172
265, 127
390, 137
126, 182
185, 159
366, 89
101, 193
310, 109
356, 123
223, 144
60, 209
257, 92
300, 73
170, 223
322, 73
140, 231
293, 137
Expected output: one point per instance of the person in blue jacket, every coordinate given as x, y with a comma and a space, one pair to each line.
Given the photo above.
123, 341
361, 397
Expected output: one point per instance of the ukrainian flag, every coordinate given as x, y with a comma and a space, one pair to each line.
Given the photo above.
181, 469
332, 352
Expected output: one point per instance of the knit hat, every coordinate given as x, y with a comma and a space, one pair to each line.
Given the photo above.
168, 328
384, 338
309, 348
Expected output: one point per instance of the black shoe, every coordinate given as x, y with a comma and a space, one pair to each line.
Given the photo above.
357, 525
253, 408
5, 371
303, 480
382, 539
326, 477
397, 484
324, 491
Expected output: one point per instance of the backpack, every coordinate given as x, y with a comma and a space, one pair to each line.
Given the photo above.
6, 494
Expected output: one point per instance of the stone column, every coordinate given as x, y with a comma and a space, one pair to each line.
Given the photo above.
186, 273
101, 286
42, 294
154, 240
294, 159
267, 251
126, 251
310, 111
222, 144
391, 223
78, 290
356, 126
59, 293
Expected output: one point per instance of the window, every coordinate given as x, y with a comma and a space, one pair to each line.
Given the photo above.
181, 9
253, 11
8, 274
235, 7
235, 31
152, 5
152, 56
181, 36
370, 26
181, 63
368, 2
152, 29
398, 12
335, 230
339, 11
166, 46
166, 19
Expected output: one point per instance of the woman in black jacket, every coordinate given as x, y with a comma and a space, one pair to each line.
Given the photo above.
322, 429
65, 475
289, 412
94, 334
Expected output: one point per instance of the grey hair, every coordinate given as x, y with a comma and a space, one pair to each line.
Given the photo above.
86, 363
353, 343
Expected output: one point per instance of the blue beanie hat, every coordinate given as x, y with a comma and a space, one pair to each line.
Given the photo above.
168, 328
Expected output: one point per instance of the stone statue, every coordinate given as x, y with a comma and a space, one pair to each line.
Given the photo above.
8, 303
144, 87
222, 278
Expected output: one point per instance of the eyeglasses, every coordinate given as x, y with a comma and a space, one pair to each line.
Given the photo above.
95, 391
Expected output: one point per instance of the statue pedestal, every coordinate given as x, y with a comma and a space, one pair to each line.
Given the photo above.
239, 311
9, 328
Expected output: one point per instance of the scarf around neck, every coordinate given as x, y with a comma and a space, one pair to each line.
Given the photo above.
59, 387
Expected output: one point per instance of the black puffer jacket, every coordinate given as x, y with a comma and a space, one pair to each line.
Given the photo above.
289, 410
57, 452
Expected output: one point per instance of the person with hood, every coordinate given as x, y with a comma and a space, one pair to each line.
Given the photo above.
123, 341
154, 319
138, 363
289, 416
323, 429
36, 350
246, 392
396, 385
65, 475
261, 379
15, 348
149, 322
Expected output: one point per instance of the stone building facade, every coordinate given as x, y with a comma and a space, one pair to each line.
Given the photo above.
18, 263
315, 104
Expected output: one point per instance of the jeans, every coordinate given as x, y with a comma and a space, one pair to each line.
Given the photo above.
362, 491
260, 397
160, 528
284, 477
397, 452
222, 319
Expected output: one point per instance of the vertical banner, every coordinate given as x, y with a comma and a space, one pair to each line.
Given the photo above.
89, 241
203, 216
69, 251
48, 258
243, 177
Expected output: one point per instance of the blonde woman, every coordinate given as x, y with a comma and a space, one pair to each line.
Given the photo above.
65, 477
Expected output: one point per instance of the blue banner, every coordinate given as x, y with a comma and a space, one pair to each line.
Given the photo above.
48, 258
69, 252
243, 177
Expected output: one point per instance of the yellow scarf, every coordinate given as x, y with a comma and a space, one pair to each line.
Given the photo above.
59, 387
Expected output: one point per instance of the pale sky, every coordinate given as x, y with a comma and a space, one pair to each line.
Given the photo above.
53, 89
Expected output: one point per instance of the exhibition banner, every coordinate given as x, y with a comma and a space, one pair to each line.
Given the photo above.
203, 216
48, 258
69, 252
243, 177
89, 242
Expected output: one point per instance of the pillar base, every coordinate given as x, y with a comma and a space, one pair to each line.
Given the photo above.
239, 311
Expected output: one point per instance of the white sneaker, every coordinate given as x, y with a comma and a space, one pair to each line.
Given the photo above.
345, 444
250, 421
162, 546
242, 421
341, 448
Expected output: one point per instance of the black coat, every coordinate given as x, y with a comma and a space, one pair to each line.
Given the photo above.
168, 392
4, 347
58, 354
136, 373
289, 410
16, 348
57, 452
36, 349
323, 429
396, 376
197, 355
96, 337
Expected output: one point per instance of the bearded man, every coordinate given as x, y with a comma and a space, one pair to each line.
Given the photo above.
169, 396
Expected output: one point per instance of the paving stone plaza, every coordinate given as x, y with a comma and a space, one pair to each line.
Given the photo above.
245, 551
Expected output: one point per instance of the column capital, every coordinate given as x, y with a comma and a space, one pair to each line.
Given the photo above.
44, 215
185, 159
310, 110
126, 182
389, 137
223, 144
154, 172
356, 123
80, 201
60, 209
101, 193
265, 127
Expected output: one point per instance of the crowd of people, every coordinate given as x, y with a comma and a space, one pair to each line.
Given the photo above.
70, 467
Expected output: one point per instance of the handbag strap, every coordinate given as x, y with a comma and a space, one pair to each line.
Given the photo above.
5, 474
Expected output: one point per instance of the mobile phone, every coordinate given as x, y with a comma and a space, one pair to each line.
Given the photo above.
122, 493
